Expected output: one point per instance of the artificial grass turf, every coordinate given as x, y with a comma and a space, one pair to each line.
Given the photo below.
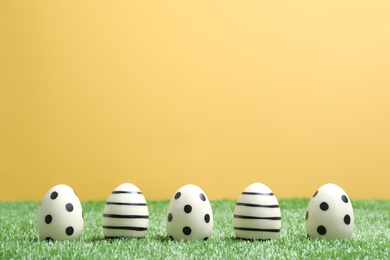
370, 240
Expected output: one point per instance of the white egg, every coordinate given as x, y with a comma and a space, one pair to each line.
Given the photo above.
257, 213
60, 215
329, 214
189, 216
126, 213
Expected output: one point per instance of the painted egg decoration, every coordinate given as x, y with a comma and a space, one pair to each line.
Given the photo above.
257, 213
189, 216
60, 215
126, 213
329, 214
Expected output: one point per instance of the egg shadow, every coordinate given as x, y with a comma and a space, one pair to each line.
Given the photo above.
167, 239
163, 239
96, 239
115, 239
31, 239
246, 240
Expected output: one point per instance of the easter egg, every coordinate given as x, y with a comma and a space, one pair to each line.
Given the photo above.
189, 215
329, 214
60, 214
126, 213
257, 213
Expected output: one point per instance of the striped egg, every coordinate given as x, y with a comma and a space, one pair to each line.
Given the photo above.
257, 213
126, 213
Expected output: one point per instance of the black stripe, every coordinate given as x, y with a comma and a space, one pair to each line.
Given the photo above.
126, 192
257, 193
124, 216
253, 217
125, 204
257, 229
126, 228
257, 205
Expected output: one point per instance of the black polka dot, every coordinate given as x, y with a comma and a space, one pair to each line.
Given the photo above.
187, 208
202, 197
187, 231
206, 238
207, 218
344, 198
48, 219
177, 195
69, 231
171, 238
69, 207
347, 219
170, 217
307, 215
321, 230
324, 206
315, 193
49, 239
53, 195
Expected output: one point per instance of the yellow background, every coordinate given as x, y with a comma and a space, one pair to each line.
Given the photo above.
221, 94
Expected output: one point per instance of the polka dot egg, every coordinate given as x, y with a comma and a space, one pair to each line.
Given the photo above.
60, 215
257, 213
126, 213
189, 215
330, 214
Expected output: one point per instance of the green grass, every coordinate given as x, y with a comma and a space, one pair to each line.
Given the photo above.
370, 240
